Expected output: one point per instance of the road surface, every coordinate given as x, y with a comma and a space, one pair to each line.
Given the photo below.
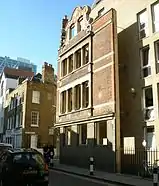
57, 178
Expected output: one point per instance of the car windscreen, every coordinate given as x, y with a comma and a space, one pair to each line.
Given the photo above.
5, 148
28, 158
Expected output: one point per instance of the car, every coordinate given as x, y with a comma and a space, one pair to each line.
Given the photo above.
5, 146
23, 167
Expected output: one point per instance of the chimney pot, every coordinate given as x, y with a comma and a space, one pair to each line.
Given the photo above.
45, 63
65, 17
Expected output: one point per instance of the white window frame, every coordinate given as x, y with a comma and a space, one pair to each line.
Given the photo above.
146, 28
144, 103
156, 43
146, 66
154, 17
36, 97
32, 124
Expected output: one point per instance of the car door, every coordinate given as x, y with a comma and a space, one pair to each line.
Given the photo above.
3, 158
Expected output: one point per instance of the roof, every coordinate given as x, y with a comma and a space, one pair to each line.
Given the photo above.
16, 73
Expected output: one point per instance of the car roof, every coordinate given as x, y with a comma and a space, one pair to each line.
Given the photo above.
5, 144
23, 150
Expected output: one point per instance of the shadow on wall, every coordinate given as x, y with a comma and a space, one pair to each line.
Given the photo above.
78, 155
132, 120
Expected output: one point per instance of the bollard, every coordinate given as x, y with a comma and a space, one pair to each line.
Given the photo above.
91, 166
51, 159
155, 175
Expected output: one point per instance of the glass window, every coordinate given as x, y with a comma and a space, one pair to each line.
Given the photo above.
63, 102
72, 31
85, 90
36, 97
34, 118
83, 134
70, 63
70, 100
143, 24
78, 58
77, 97
146, 68
86, 54
155, 16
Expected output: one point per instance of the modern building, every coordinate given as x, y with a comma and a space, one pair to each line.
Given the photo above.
88, 114
138, 51
30, 110
9, 80
20, 63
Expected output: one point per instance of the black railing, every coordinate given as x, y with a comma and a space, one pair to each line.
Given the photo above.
138, 161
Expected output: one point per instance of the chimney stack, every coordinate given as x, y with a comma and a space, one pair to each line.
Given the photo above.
47, 73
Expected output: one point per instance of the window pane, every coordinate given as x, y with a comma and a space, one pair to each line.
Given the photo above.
148, 97
143, 24
70, 100
78, 58
155, 12
86, 54
71, 63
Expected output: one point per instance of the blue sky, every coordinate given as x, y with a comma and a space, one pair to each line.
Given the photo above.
31, 28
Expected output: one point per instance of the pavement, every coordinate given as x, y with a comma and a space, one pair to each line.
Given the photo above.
58, 178
111, 178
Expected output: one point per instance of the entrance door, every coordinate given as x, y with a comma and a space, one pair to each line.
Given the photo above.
33, 142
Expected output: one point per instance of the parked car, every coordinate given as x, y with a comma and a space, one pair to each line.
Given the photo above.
23, 167
5, 146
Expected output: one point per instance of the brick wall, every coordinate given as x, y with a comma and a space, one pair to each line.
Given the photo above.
103, 64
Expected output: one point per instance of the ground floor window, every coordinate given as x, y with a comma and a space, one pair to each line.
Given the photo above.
18, 141
101, 132
68, 135
83, 134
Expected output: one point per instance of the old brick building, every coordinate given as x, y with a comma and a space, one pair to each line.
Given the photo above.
88, 114
30, 110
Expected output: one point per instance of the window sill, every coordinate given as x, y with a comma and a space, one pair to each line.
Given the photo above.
36, 103
75, 70
35, 126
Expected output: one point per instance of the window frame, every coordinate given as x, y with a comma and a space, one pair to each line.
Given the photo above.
80, 134
153, 17
145, 108
36, 97
142, 61
38, 116
146, 27
72, 28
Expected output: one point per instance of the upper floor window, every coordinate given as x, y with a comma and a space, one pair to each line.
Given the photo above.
157, 55
80, 24
34, 118
77, 97
148, 103
143, 24
155, 16
70, 100
36, 97
85, 54
146, 68
70, 59
78, 58
72, 31
63, 102
64, 67
85, 90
